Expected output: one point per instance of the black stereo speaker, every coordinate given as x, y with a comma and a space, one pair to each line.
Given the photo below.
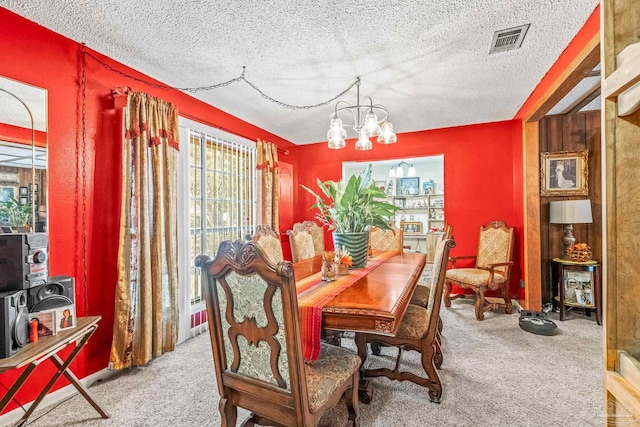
14, 322
56, 292
23, 260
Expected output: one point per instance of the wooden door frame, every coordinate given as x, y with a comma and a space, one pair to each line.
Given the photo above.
578, 69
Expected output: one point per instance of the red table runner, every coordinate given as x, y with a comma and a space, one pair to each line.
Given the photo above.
314, 294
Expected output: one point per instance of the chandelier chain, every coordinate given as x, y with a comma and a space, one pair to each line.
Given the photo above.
84, 180
240, 78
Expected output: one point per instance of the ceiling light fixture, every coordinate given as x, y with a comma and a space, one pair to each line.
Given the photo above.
365, 123
397, 171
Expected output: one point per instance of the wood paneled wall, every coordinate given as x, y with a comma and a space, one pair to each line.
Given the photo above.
571, 133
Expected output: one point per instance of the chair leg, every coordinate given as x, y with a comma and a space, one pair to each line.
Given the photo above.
507, 299
480, 302
446, 293
228, 413
437, 358
435, 386
352, 401
439, 324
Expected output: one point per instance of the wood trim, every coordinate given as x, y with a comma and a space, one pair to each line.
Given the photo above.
624, 393
579, 68
584, 100
531, 194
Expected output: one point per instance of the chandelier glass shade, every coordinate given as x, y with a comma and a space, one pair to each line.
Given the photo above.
397, 171
365, 122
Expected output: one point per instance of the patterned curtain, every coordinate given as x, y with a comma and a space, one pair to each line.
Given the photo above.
269, 183
146, 313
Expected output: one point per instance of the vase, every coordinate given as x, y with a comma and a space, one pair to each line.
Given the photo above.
356, 244
342, 270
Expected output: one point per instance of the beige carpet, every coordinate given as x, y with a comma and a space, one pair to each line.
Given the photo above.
494, 374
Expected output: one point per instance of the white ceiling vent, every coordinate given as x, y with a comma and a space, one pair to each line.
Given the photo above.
508, 39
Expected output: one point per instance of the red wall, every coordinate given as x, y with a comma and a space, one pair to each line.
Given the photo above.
37, 56
482, 177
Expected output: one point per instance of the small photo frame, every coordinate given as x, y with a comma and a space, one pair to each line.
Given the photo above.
34, 187
44, 322
409, 186
65, 318
24, 200
564, 173
578, 288
24, 191
411, 227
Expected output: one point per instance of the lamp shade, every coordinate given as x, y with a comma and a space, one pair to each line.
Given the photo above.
570, 212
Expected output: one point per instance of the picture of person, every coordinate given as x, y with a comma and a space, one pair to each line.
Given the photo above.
67, 319
563, 173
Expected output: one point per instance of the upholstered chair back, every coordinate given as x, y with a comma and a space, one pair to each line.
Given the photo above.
386, 240
252, 308
437, 280
495, 245
270, 243
317, 234
301, 243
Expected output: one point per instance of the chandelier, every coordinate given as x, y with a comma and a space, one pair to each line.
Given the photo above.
397, 171
365, 123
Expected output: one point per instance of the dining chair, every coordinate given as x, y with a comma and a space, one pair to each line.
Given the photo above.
254, 326
270, 243
301, 242
418, 332
386, 240
317, 234
492, 269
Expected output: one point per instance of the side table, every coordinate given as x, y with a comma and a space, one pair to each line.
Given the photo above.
46, 348
576, 285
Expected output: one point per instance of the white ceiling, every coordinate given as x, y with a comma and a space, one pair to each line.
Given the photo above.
426, 61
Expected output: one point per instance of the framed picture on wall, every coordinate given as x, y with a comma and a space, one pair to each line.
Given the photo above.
564, 173
408, 186
24, 191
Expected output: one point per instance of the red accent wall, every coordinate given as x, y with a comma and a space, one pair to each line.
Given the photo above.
37, 56
482, 177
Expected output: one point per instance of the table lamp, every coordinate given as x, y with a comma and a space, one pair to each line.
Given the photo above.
569, 212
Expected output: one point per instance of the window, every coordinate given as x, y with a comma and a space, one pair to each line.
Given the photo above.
222, 206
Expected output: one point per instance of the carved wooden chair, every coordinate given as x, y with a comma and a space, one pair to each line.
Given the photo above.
386, 240
301, 242
254, 327
317, 234
491, 272
270, 243
418, 331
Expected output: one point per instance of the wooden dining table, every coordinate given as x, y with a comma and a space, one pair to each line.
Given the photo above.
375, 303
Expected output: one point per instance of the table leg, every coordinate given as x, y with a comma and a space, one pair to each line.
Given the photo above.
78, 385
16, 386
57, 375
365, 388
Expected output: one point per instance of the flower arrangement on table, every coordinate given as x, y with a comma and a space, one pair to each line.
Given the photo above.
343, 261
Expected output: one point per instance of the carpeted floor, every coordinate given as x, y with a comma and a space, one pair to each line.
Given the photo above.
494, 373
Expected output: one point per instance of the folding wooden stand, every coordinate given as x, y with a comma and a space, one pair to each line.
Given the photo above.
46, 348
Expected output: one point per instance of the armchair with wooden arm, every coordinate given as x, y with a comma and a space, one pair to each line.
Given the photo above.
492, 269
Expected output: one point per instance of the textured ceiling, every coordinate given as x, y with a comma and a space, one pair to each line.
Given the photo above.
426, 61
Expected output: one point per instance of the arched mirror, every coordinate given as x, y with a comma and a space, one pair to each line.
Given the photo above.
23, 157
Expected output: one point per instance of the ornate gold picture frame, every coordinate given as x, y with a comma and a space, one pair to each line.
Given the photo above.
564, 173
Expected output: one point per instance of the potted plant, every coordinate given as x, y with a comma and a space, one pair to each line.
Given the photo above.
351, 210
16, 215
